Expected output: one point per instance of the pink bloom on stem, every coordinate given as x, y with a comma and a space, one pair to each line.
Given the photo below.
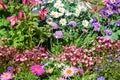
6, 76
80, 70
25, 1
36, 2
13, 20
43, 12
105, 2
37, 70
20, 14
2, 5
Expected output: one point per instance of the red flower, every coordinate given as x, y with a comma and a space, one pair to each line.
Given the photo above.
43, 12
20, 14
13, 20
2, 5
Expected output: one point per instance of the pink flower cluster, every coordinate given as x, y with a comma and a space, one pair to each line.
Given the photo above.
75, 55
34, 55
106, 43
6, 54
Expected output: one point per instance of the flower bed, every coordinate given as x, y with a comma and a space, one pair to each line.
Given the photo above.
59, 40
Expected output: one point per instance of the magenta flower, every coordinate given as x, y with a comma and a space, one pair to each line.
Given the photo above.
80, 70
20, 14
58, 34
6, 76
13, 20
43, 12
37, 70
2, 5
25, 2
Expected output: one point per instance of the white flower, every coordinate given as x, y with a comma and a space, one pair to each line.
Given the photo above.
50, 1
58, 1
78, 8
62, 10
68, 13
57, 5
60, 14
85, 23
49, 20
88, 5
63, 22
68, 72
77, 13
54, 14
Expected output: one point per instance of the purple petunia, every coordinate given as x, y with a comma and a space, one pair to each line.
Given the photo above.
100, 78
9, 68
72, 23
117, 23
108, 32
54, 25
93, 20
96, 26
58, 34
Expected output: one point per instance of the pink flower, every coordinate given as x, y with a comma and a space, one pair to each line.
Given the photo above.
80, 70
25, 1
36, 2
105, 2
6, 76
2, 5
20, 14
62, 78
43, 12
13, 20
37, 70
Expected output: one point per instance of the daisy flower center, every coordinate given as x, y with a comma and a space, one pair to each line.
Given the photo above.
6, 76
37, 69
69, 71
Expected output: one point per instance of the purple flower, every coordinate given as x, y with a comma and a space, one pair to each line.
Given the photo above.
93, 20
58, 34
96, 26
72, 23
9, 68
110, 60
54, 25
100, 78
118, 9
117, 23
108, 32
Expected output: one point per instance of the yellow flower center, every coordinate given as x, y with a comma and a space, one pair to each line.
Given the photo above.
37, 69
84, 23
69, 71
6, 76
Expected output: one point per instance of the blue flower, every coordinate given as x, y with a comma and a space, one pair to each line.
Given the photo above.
9, 68
100, 78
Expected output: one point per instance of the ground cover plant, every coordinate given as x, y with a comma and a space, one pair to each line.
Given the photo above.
59, 40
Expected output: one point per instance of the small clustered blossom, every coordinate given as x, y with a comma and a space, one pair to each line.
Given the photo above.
6, 76
106, 43
35, 55
75, 55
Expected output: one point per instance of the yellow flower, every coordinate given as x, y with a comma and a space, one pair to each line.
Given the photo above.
57, 5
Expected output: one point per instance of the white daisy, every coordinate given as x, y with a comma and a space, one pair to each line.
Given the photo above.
62, 10
78, 8
49, 20
54, 14
50, 1
77, 13
57, 5
68, 13
85, 23
63, 22
60, 14
68, 72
